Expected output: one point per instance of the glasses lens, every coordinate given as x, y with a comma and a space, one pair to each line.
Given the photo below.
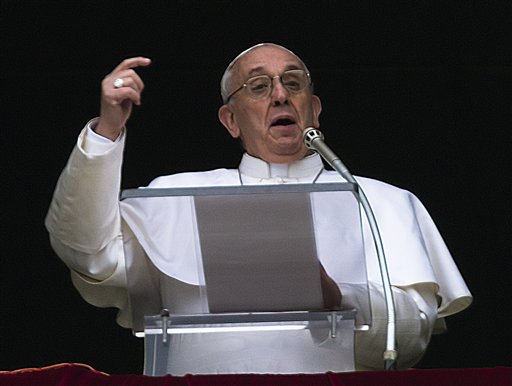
259, 86
295, 80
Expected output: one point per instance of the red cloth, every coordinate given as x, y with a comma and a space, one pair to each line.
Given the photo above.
82, 375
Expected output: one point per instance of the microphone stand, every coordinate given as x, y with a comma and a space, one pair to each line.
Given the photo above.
314, 140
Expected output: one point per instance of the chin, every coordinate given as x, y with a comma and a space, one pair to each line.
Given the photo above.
289, 155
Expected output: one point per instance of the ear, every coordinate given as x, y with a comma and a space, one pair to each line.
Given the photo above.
317, 109
227, 117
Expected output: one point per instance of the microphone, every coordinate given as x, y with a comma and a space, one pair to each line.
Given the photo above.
314, 140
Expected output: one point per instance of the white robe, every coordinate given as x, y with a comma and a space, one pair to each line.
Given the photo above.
95, 237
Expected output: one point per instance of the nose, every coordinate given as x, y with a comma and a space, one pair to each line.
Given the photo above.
279, 94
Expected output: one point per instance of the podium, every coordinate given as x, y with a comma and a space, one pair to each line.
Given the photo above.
257, 253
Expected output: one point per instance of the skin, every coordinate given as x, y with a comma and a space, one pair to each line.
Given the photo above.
116, 103
251, 120
244, 118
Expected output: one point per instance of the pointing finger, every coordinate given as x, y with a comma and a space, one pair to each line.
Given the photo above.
138, 61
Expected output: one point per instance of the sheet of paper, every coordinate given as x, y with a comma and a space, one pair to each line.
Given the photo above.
259, 252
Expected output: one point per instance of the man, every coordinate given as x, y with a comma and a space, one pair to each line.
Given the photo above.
268, 101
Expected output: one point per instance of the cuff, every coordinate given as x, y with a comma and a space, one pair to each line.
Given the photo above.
94, 143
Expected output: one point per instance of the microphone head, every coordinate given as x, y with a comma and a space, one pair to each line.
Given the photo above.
310, 134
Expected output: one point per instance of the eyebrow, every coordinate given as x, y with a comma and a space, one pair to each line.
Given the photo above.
261, 70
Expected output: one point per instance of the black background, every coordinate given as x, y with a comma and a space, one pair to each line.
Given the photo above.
415, 93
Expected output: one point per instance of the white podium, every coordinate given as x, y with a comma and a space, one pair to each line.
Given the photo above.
258, 251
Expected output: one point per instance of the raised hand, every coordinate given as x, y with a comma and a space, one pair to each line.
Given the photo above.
119, 91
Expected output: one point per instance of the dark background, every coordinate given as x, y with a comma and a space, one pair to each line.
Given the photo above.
415, 93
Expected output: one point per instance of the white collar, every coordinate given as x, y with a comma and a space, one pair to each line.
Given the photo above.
257, 168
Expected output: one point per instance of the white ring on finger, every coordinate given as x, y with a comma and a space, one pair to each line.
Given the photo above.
119, 82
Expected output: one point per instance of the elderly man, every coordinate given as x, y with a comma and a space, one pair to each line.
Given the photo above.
268, 101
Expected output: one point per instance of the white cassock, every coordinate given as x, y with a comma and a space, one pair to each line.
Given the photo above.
95, 236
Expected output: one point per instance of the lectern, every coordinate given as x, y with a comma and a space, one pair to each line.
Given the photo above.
257, 252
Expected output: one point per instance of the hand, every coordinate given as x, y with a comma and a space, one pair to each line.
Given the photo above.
330, 291
117, 102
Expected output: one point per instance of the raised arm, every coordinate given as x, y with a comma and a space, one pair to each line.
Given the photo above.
83, 219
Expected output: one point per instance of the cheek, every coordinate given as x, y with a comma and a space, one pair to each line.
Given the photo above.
252, 123
253, 138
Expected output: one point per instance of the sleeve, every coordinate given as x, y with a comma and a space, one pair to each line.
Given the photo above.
84, 221
416, 313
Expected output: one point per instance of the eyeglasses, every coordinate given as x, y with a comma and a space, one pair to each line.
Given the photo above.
259, 87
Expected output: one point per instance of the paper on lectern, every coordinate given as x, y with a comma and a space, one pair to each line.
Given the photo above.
259, 252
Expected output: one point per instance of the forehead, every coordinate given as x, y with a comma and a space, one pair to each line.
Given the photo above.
267, 60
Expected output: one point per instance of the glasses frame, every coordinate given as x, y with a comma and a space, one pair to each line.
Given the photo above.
245, 84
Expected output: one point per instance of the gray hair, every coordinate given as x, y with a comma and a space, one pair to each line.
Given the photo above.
225, 81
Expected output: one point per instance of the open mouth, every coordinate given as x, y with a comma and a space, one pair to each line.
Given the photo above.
283, 122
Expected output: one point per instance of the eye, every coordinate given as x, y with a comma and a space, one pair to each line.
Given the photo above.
294, 80
293, 85
258, 85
